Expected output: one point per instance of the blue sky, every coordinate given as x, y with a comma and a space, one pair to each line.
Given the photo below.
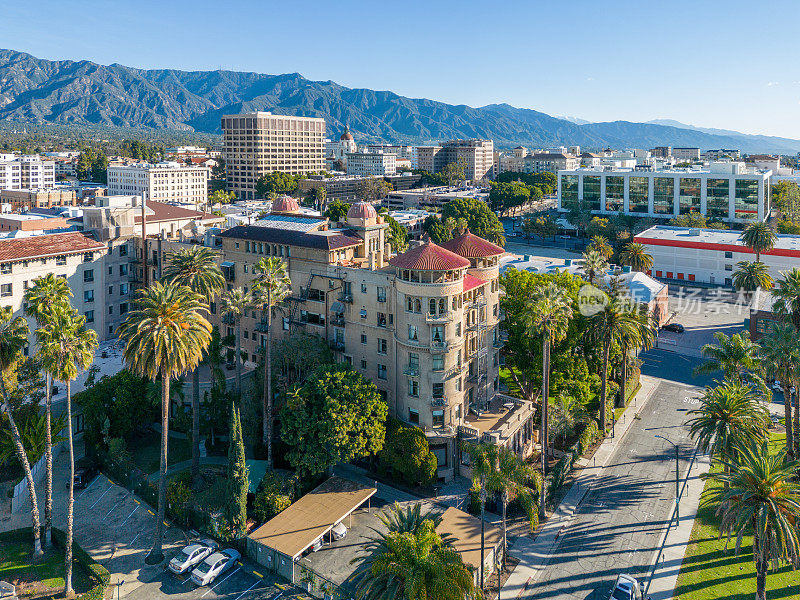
732, 64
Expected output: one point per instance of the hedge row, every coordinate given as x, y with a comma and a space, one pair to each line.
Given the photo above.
558, 474
98, 574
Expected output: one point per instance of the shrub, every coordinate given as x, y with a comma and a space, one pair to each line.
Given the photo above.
407, 455
588, 436
275, 493
179, 497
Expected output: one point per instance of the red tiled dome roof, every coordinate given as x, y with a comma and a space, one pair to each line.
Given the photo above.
429, 257
285, 204
362, 210
470, 245
346, 135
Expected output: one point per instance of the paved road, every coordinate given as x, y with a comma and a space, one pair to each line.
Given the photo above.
619, 523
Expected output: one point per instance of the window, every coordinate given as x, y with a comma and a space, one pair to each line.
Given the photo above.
664, 195
363, 364
316, 295
124, 288
413, 388
729, 255
123, 250
638, 188
729, 267
111, 290
286, 323
5, 268
438, 419
5, 289
413, 416
110, 309
88, 256
381, 371
110, 270
88, 295
381, 294
123, 269
437, 333
412, 333
363, 288
88, 275
61, 260
438, 362
89, 314
458, 329
438, 390
381, 320
382, 346
363, 338
123, 308
413, 363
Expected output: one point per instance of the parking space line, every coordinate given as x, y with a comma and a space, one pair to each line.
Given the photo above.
247, 590
258, 574
113, 508
88, 486
221, 581
103, 494
137, 537
130, 515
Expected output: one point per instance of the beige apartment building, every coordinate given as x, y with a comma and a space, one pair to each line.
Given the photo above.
423, 325
260, 142
171, 182
476, 155
26, 172
27, 199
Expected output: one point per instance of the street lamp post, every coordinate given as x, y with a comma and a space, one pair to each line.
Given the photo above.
677, 480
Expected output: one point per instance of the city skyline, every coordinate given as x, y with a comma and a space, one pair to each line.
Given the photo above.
633, 63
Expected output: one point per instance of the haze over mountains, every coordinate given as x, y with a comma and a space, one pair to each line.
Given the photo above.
84, 92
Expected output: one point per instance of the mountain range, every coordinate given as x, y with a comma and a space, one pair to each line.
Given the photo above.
84, 92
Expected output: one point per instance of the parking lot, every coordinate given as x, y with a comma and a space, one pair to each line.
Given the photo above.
117, 529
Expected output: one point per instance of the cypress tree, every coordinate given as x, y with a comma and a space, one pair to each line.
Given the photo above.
236, 506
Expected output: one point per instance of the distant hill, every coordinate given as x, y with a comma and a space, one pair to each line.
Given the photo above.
83, 92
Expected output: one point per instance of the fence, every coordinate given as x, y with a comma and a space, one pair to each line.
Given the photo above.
20, 494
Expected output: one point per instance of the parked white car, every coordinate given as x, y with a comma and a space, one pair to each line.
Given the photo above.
191, 555
626, 588
339, 531
214, 566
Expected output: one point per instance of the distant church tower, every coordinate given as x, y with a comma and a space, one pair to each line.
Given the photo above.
346, 144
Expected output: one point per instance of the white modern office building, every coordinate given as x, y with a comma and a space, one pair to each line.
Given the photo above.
26, 172
171, 182
710, 255
724, 191
366, 164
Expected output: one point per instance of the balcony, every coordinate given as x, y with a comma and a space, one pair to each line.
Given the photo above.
498, 344
438, 402
336, 345
261, 326
442, 318
345, 297
439, 346
411, 370
337, 321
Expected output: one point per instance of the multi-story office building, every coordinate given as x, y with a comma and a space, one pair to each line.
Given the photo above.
365, 164
423, 325
726, 191
710, 255
477, 157
28, 199
72, 255
686, 154
721, 154
170, 182
26, 172
259, 143
399, 151
347, 188
549, 162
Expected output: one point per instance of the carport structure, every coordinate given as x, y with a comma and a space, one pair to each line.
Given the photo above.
279, 543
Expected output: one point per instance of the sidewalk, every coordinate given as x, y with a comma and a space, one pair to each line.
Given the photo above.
534, 553
664, 575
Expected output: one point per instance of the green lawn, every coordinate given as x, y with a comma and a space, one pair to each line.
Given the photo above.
709, 573
146, 451
43, 579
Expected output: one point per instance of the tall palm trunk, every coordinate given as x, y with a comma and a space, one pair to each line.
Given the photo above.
603, 384
761, 566
48, 452
623, 376
483, 521
68, 591
156, 554
543, 424
196, 428
26, 466
787, 417
504, 499
268, 383
239, 355
796, 420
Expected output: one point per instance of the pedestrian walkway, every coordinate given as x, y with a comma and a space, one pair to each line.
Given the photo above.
534, 553
664, 574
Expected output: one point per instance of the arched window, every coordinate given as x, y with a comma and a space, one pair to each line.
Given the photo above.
432, 306
417, 305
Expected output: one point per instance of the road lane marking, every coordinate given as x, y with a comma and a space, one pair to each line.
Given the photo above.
247, 590
220, 582
103, 494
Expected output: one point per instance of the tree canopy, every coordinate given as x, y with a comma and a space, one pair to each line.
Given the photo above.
275, 183
479, 217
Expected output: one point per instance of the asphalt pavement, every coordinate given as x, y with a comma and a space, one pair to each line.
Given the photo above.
619, 523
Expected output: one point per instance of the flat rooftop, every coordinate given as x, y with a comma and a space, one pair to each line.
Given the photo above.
504, 415
728, 237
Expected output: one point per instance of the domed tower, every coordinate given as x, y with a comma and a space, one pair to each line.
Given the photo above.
365, 221
285, 205
346, 144
430, 338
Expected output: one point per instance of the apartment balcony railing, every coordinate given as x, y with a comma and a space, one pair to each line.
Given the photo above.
344, 297
441, 318
337, 321
439, 346
261, 327
411, 370
336, 345
438, 402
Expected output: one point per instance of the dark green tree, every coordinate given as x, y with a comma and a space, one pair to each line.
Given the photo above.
479, 217
508, 196
434, 227
336, 416
406, 454
238, 477
337, 210
396, 235
275, 183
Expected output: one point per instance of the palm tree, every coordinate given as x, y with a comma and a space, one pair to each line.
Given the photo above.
47, 294
730, 414
397, 519
759, 237
594, 264
569, 413
549, 313
13, 338
66, 347
644, 334
406, 566
787, 296
481, 462
750, 276
614, 323
197, 269
636, 257
271, 287
165, 336
780, 350
601, 245
735, 356
235, 304
760, 494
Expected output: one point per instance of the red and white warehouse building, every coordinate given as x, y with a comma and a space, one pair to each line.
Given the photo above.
710, 255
